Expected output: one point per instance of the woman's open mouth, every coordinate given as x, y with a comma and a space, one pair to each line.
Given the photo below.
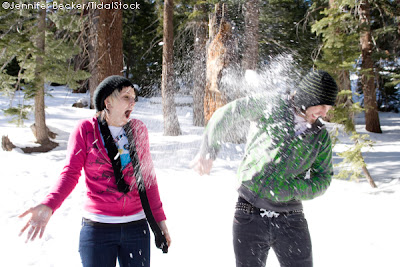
128, 113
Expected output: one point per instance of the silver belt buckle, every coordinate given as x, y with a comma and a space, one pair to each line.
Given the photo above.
268, 213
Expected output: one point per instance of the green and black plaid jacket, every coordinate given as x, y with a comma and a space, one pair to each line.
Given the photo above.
279, 169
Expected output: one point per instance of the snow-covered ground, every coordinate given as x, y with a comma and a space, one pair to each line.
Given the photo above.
351, 225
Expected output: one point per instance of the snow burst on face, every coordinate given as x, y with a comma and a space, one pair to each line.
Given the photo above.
314, 112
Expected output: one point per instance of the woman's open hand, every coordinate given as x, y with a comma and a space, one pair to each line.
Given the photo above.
40, 217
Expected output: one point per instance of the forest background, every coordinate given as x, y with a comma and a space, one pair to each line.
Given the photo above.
188, 47
164, 47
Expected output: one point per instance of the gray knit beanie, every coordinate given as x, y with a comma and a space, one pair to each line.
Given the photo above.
316, 88
107, 87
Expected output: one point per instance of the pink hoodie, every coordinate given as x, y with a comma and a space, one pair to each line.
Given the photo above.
86, 150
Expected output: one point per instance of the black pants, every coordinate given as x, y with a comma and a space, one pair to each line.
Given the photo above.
287, 235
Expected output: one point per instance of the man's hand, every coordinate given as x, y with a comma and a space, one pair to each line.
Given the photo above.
201, 165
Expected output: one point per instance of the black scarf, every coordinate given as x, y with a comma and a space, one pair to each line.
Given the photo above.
112, 152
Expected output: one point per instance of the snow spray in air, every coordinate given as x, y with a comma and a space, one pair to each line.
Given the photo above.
277, 75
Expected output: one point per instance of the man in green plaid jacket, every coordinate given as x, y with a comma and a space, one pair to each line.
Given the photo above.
288, 158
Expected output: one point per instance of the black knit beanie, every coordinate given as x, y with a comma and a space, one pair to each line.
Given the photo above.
107, 87
317, 88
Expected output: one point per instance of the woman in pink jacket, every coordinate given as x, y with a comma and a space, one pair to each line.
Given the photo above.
122, 190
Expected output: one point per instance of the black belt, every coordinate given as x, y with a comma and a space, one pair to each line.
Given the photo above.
246, 206
99, 224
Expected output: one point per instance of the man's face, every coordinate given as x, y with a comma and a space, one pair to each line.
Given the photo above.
312, 113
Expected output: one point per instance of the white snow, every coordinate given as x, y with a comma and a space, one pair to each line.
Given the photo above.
351, 225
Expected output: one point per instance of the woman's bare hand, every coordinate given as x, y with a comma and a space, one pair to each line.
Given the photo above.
40, 217
164, 229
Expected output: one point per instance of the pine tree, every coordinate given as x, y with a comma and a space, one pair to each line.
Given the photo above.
42, 43
200, 18
40, 128
171, 123
386, 40
106, 54
339, 31
285, 29
142, 53
367, 72
251, 36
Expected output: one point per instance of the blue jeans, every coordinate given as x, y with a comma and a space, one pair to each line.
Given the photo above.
101, 245
287, 235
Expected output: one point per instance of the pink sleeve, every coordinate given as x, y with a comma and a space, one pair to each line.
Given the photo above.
76, 156
155, 203
148, 172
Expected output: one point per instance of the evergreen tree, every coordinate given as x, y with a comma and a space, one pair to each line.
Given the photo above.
340, 36
367, 69
142, 52
41, 41
106, 53
285, 29
251, 35
386, 39
200, 18
171, 123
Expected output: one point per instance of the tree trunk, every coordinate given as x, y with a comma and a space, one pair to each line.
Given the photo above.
367, 79
398, 27
6, 144
369, 178
398, 17
40, 131
344, 83
93, 21
81, 60
199, 69
221, 52
171, 123
106, 54
250, 53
